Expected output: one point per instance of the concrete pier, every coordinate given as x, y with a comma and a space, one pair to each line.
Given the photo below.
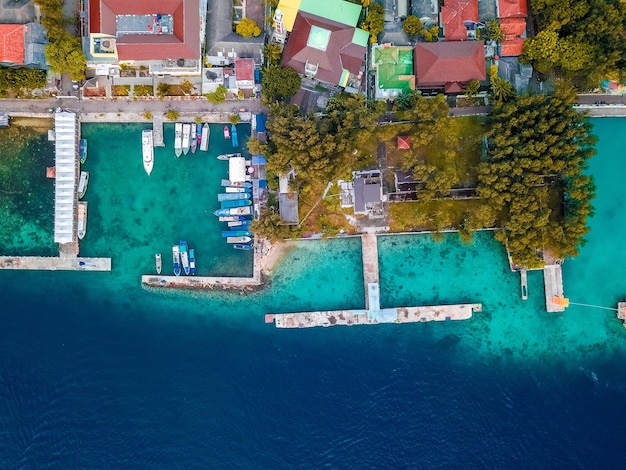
43, 263
157, 130
202, 282
371, 277
369, 317
524, 283
553, 285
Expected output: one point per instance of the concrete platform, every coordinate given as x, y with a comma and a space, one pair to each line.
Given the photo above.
201, 282
553, 286
42, 263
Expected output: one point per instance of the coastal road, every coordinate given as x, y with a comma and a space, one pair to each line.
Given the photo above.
125, 106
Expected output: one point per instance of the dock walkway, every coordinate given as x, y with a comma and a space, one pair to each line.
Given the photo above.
202, 282
371, 277
553, 285
50, 263
157, 130
368, 317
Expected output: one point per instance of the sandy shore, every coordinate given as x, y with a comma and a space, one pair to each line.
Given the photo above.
270, 254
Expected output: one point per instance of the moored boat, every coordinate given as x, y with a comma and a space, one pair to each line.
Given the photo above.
236, 233
241, 246
158, 261
148, 150
186, 137
232, 218
226, 133
184, 256
234, 211
82, 219
232, 196
199, 135
82, 183
234, 138
238, 203
176, 259
192, 261
194, 139
226, 156
239, 223
206, 132
178, 139
82, 150
238, 240
235, 189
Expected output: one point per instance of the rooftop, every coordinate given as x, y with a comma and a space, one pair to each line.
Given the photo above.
457, 16
512, 8
339, 11
394, 70
12, 43
449, 63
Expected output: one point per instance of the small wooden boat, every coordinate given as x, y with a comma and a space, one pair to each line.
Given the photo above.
236, 203
226, 156
234, 138
235, 189
194, 139
82, 184
231, 218
238, 240
232, 196
247, 210
241, 246
82, 150
159, 264
82, 219
206, 133
226, 133
192, 261
186, 137
236, 233
176, 259
178, 139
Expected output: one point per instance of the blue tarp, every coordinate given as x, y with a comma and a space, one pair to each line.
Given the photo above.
258, 160
260, 122
262, 184
257, 76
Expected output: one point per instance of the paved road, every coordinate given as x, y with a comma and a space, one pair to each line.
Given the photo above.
128, 106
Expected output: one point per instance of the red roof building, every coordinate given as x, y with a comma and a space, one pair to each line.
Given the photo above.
514, 30
456, 16
323, 49
149, 41
12, 43
404, 142
244, 73
512, 8
449, 65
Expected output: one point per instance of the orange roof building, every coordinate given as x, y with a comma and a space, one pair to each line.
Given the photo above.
512, 8
456, 17
514, 29
12, 44
449, 65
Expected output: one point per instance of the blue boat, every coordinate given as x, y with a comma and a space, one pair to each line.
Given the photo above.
82, 150
241, 246
192, 261
184, 256
236, 233
232, 196
176, 259
233, 136
240, 203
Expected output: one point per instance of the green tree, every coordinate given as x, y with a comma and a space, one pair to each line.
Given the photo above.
186, 86
147, 115
412, 26
279, 83
272, 53
217, 96
472, 88
431, 34
172, 114
65, 55
541, 51
494, 31
247, 28
374, 22
162, 89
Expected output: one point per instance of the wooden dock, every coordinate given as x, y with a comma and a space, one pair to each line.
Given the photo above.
371, 276
370, 317
50, 263
202, 282
553, 285
157, 130
524, 283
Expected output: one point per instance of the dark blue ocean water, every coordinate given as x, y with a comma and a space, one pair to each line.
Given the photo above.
96, 372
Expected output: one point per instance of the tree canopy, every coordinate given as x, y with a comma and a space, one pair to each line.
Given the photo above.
412, 26
374, 22
279, 83
247, 28
65, 55
533, 176
21, 78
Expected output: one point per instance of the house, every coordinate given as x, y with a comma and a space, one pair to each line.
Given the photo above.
393, 66
512, 17
459, 19
449, 65
368, 193
164, 36
324, 43
244, 74
23, 44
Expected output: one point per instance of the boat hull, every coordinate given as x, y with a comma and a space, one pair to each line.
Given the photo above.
241, 246
158, 262
178, 139
236, 233
204, 145
82, 219
238, 240
234, 139
147, 146
186, 138
184, 256
192, 262
232, 196
238, 203
82, 150
176, 259
247, 210
82, 184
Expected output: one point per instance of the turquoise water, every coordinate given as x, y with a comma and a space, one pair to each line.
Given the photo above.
98, 372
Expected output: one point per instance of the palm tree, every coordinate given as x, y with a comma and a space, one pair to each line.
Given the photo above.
272, 53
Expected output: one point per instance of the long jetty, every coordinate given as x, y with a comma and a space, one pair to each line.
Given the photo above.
53, 263
203, 282
371, 317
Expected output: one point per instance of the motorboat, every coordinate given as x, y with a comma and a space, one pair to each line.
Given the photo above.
236, 233
237, 203
194, 139
82, 183
247, 210
234, 139
192, 261
148, 150
226, 156
238, 239
82, 219
186, 137
232, 196
206, 134
226, 133
241, 246
178, 139
232, 218
158, 261
82, 150
176, 259
235, 189
184, 256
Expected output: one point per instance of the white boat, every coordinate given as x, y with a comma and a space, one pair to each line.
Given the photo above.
238, 240
82, 219
148, 150
159, 263
206, 133
82, 183
235, 189
226, 156
186, 137
178, 139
